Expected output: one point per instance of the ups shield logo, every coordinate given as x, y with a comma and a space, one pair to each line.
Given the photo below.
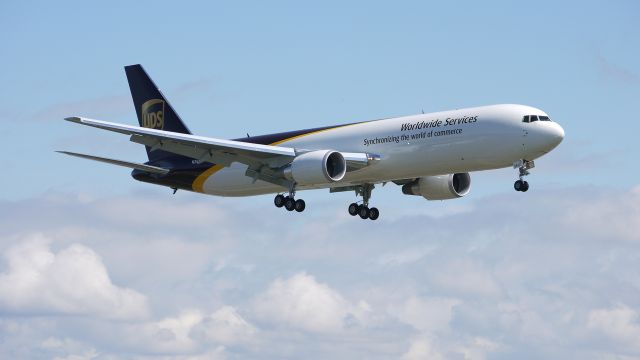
153, 114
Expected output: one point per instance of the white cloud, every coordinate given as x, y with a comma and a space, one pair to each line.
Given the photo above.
72, 349
428, 347
153, 212
192, 332
302, 302
88, 355
406, 256
537, 325
423, 349
170, 334
478, 348
468, 277
609, 216
225, 326
619, 323
218, 353
426, 314
73, 281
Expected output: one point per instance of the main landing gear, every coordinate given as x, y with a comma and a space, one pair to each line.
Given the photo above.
523, 170
363, 209
289, 202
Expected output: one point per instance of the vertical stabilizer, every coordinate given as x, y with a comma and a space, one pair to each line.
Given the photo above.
152, 109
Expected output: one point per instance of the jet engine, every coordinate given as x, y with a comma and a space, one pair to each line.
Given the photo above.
316, 167
439, 187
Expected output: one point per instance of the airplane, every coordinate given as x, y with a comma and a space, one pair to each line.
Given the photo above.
428, 155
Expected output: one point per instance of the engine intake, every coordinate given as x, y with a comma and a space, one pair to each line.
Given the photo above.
439, 187
316, 167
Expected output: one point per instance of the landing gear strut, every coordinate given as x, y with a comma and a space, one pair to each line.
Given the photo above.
523, 170
363, 209
289, 202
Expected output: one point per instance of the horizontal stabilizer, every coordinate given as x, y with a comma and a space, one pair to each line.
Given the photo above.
143, 167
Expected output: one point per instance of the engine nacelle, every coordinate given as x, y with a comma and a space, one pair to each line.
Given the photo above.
439, 187
316, 167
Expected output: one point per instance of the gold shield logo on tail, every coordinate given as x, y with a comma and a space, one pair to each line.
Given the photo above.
153, 114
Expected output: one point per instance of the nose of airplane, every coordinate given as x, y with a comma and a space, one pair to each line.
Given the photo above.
556, 134
549, 135
542, 137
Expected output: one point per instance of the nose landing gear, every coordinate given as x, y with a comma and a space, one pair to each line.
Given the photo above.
523, 167
363, 209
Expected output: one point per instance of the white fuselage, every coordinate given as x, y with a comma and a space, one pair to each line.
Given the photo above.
465, 140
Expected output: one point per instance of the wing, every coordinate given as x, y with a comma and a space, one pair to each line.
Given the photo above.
218, 151
259, 158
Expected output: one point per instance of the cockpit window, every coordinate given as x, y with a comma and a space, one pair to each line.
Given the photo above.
532, 118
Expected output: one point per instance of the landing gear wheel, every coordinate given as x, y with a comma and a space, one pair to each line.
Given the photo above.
278, 201
518, 185
374, 213
523, 167
289, 203
299, 205
363, 211
353, 209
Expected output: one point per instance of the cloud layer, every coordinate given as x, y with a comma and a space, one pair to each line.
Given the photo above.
549, 275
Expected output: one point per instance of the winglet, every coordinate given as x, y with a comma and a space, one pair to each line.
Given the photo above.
74, 119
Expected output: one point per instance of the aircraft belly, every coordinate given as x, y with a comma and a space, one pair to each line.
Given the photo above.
232, 181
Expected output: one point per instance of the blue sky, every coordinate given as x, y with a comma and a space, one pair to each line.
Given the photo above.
260, 67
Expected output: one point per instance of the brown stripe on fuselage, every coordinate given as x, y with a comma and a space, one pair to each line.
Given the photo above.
268, 139
198, 183
279, 138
